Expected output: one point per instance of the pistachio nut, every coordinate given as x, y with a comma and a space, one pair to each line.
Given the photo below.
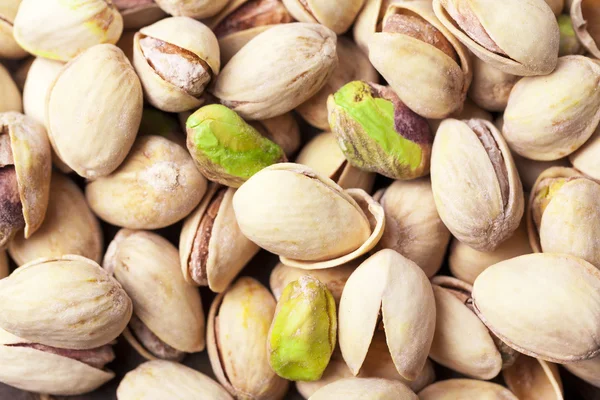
4, 270
11, 99
68, 302
302, 336
369, 21
139, 13
337, 16
475, 184
532, 379
421, 60
156, 186
490, 87
176, 59
104, 89
225, 148
529, 170
168, 320
282, 209
238, 327
389, 284
305, 57
353, 65
9, 48
465, 389
60, 30
588, 370
161, 379
555, 295
197, 9
323, 154
519, 37
378, 133
25, 169
569, 42
548, 117
39, 79
40, 368
470, 110
585, 16
362, 388
69, 227
556, 6
283, 130
586, 159
413, 227
212, 249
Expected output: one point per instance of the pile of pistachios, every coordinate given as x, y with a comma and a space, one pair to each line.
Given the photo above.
424, 176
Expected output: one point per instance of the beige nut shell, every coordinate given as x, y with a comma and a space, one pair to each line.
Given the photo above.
192, 8
40, 77
465, 389
336, 15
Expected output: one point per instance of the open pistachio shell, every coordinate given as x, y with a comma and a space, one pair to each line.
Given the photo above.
39, 79
9, 48
490, 87
466, 389
532, 379
369, 21
585, 15
555, 295
587, 158
362, 388
337, 15
11, 99
588, 370
4, 270
139, 13
197, 9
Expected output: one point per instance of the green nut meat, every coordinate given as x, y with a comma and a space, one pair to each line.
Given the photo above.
378, 133
225, 148
303, 332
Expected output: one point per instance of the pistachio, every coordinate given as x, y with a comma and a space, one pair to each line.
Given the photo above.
586, 159
588, 370
531, 379
176, 58
465, 389
283, 130
206, 240
156, 186
490, 87
69, 227
4, 270
569, 43
378, 133
225, 148
302, 336
585, 16
160, 379
197, 9
519, 37
60, 30
305, 56
11, 96
369, 21
361, 388
555, 295
138, 13
238, 327
9, 48
39, 79
396, 287
475, 184
337, 16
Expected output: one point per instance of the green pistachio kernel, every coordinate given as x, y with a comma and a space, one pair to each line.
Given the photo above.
225, 148
303, 332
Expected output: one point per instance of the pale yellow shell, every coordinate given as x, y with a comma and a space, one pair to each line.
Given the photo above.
40, 77
490, 87
587, 158
336, 15
192, 8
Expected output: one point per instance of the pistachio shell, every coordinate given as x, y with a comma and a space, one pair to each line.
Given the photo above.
139, 13
490, 87
369, 20
337, 16
96, 139
9, 48
67, 302
11, 96
156, 186
238, 326
4, 270
362, 388
588, 370
397, 287
532, 379
60, 30
465, 389
586, 159
555, 295
192, 8
586, 23
155, 380
39, 79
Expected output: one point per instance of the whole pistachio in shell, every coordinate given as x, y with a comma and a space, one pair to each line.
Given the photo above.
225, 148
104, 89
212, 249
557, 296
465, 389
238, 327
176, 59
197, 9
389, 284
378, 133
585, 15
69, 227
25, 168
421, 60
11, 99
363, 388
139, 13
337, 16
519, 37
161, 379
40, 77
569, 42
283, 130
588, 370
4, 270
490, 87
156, 186
305, 57
475, 184
586, 159
60, 30
533, 379
9, 48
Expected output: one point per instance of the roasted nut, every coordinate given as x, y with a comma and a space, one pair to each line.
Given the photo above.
362, 388
490, 87
587, 158
138, 13
197, 9
39, 79
530, 378
11, 96
337, 16
465, 389
9, 48
585, 16
588, 370
569, 42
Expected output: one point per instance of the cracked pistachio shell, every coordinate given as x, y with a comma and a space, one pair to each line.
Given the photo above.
139, 13
156, 186
369, 21
323, 154
532, 379
475, 183
569, 42
197, 9
35, 370
421, 60
11, 96
519, 37
490, 87
305, 56
68, 302
9, 48
378, 133
69, 227
4, 270
466, 389
40, 77
587, 158
555, 295
588, 370
283, 130
413, 227
282, 209
158, 379
225, 148
353, 65
585, 15
238, 327
363, 388
60, 30
212, 249
388, 283
548, 117
336, 15
102, 86
176, 58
